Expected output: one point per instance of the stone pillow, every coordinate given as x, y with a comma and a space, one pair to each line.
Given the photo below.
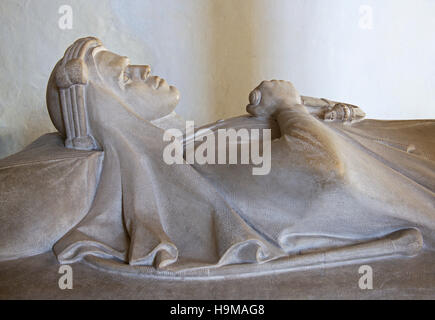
45, 190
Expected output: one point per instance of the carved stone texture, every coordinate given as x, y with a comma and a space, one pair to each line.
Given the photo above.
340, 189
44, 191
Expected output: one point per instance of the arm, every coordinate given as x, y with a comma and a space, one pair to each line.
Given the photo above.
302, 132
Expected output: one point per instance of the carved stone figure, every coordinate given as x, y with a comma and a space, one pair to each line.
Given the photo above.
340, 189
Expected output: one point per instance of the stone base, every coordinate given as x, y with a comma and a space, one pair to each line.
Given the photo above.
403, 278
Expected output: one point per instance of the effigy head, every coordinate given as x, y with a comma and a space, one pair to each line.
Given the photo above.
87, 65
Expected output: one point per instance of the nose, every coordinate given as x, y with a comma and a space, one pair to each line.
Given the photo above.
137, 72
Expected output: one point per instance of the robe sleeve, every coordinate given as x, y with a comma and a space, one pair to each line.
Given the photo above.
317, 144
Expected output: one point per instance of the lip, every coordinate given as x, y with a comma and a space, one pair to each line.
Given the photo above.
157, 82
161, 82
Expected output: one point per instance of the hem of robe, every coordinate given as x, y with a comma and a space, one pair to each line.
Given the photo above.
403, 243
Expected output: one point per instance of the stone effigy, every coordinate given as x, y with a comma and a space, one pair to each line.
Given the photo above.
340, 189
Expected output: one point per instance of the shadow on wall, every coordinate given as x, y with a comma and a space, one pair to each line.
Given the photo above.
5, 144
231, 57
217, 51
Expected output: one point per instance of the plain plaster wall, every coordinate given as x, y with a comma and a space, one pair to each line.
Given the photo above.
376, 54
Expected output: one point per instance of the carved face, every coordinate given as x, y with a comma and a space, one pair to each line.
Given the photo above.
148, 96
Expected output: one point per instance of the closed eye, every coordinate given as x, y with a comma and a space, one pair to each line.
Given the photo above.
125, 77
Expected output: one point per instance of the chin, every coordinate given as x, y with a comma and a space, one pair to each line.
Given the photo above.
175, 92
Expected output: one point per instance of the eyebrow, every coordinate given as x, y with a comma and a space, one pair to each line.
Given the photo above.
126, 62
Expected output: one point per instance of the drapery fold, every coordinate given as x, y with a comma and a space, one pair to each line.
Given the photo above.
184, 217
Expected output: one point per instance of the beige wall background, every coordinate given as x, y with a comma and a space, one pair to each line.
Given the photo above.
376, 54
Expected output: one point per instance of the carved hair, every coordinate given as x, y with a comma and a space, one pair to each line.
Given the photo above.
66, 100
